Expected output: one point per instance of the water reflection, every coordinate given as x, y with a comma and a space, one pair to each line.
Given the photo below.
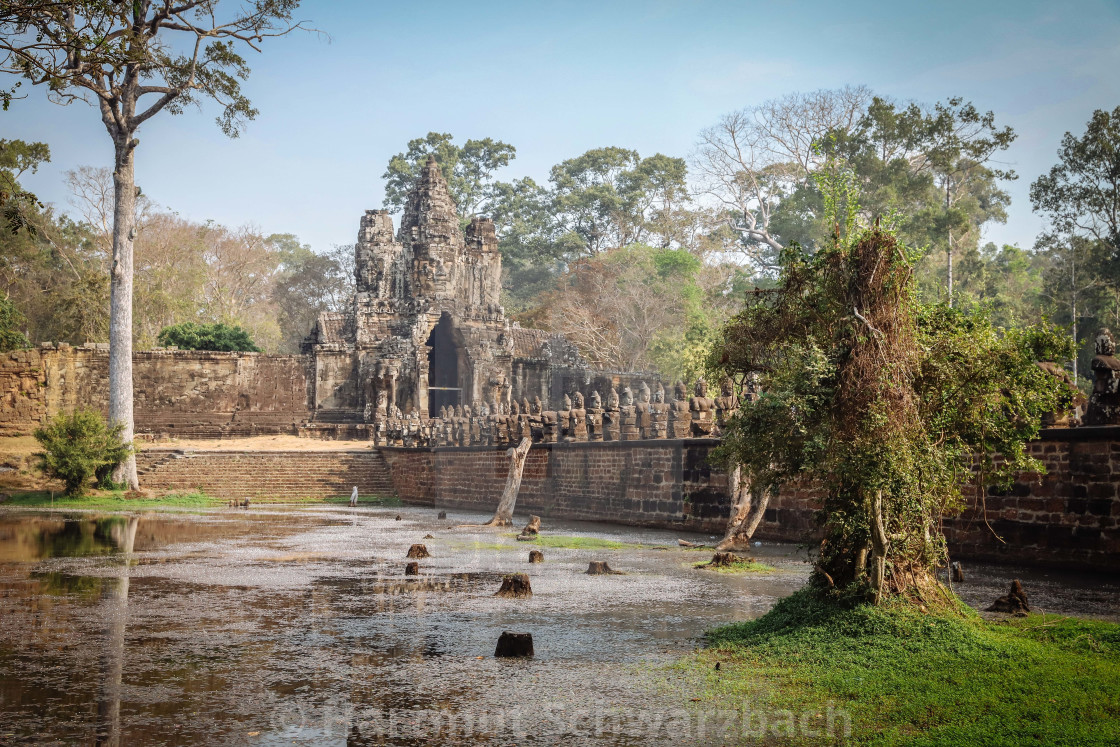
279, 625
24, 539
122, 534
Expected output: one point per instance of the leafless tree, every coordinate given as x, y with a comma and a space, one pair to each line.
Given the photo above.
752, 158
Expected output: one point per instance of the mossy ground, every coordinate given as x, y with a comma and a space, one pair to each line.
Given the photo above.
738, 567
555, 541
907, 677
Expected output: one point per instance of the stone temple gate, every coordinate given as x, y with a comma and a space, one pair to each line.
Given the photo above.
427, 329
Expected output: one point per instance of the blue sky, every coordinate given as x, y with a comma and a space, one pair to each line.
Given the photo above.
555, 79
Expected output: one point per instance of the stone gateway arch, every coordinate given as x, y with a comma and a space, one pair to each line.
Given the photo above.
427, 329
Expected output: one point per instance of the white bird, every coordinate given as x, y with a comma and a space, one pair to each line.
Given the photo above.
354, 497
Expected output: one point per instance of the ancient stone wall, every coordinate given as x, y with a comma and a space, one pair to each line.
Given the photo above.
265, 474
187, 393
1069, 517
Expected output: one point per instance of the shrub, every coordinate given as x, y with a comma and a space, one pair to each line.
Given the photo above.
10, 320
217, 336
80, 447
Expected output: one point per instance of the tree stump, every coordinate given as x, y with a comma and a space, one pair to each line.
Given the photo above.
536, 556
958, 572
515, 586
533, 527
1014, 603
418, 551
398, 518
441, 515
514, 644
724, 559
412, 569
600, 568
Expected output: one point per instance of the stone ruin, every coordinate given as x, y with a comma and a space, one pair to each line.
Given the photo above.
1104, 400
427, 332
577, 419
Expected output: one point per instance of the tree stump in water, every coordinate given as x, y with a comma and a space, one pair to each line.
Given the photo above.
441, 515
600, 568
958, 572
724, 559
515, 586
514, 644
412, 569
1014, 603
536, 556
418, 551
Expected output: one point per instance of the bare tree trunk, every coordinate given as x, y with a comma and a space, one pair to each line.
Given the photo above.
746, 513
112, 661
503, 517
120, 304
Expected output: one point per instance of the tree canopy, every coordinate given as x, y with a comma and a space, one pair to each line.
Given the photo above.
882, 400
217, 336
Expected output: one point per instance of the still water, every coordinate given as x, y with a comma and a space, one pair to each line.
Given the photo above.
297, 625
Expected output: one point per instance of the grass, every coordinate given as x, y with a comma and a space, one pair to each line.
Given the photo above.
112, 500
738, 567
576, 542
906, 677
554, 541
120, 501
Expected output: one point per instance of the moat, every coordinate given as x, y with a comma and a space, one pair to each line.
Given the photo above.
296, 624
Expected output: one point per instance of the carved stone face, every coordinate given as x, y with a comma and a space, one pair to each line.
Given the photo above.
626, 399
643, 393
701, 388
1104, 344
596, 401
536, 406
612, 398
458, 411
514, 408
577, 401
659, 394
566, 403
525, 406
679, 391
727, 387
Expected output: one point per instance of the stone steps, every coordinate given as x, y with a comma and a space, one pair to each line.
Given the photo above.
272, 474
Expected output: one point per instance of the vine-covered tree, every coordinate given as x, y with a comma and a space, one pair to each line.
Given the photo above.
889, 405
125, 59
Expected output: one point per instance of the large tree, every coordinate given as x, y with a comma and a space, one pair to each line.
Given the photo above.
1080, 199
889, 405
132, 61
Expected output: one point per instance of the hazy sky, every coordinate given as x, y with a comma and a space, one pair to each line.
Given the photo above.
555, 79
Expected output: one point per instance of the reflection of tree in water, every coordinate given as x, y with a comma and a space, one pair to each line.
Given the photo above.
122, 535
77, 538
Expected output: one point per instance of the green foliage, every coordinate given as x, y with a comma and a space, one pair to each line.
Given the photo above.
216, 336
308, 284
11, 338
882, 400
80, 447
469, 170
906, 677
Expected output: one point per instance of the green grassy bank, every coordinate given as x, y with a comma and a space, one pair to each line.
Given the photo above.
117, 500
906, 677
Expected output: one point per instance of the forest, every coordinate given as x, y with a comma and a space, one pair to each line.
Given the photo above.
638, 258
